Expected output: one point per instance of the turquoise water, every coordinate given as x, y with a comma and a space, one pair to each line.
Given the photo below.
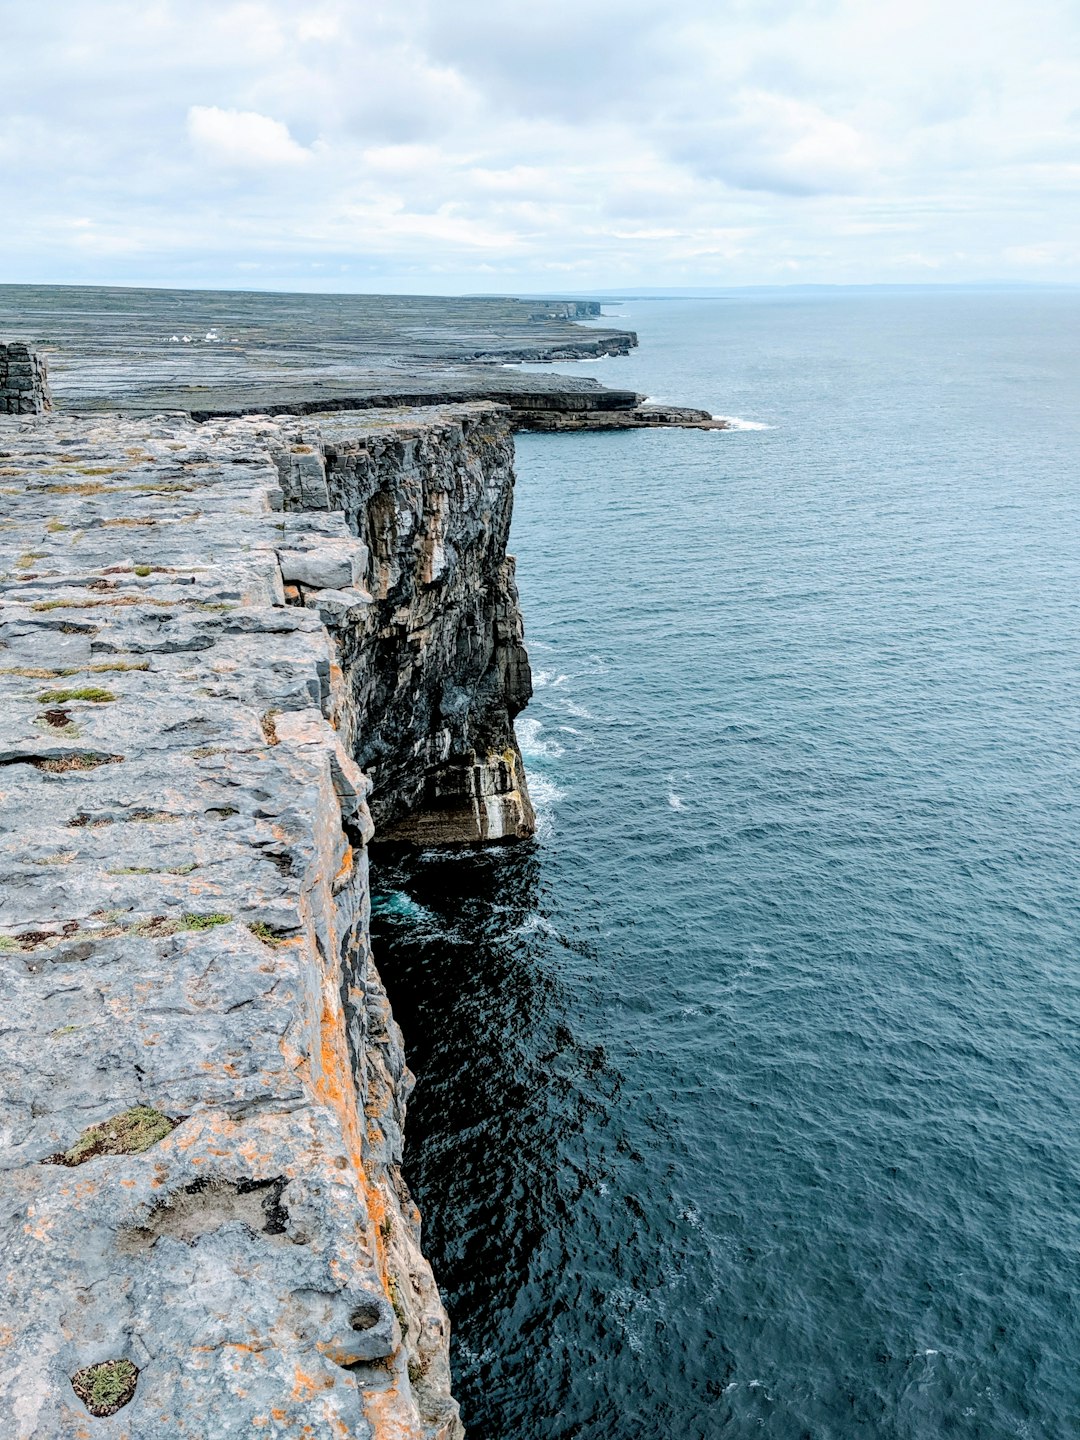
748, 1094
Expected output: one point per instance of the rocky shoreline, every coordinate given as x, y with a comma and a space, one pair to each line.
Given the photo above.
216, 354
233, 646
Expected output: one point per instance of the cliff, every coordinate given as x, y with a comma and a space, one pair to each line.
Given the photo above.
215, 354
204, 628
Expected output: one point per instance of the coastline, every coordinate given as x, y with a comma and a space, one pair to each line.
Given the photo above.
240, 646
219, 354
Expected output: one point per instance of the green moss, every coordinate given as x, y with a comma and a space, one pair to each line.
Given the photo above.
97, 604
107, 1387
93, 693
143, 569
131, 1133
399, 1309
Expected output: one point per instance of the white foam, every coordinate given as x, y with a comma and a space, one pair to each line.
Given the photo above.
532, 747
545, 795
735, 422
398, 903
543, 678
675, 801
536, 923
578, 711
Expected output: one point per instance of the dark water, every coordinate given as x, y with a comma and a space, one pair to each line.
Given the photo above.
749, 1096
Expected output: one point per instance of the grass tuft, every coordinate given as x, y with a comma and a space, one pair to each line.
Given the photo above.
93, 693
104, 1389
128, 1134
203, 922
266, 933
74, 762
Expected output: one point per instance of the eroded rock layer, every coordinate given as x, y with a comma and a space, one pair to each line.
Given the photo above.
203, 1086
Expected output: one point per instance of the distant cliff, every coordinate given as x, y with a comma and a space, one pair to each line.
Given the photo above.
206, 1231
215, 354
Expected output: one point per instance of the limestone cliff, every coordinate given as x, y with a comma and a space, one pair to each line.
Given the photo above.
437, 667
204, 1226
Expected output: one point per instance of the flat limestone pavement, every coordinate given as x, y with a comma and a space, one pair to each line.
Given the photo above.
203, 1088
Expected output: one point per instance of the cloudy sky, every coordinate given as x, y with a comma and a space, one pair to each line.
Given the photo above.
481, 145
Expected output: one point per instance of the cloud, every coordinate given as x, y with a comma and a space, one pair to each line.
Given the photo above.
772, 142
242, 138
504, 145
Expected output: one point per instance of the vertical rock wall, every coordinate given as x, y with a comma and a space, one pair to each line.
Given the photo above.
434, 654
24, 385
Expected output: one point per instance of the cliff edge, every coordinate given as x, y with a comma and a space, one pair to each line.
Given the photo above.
203, 629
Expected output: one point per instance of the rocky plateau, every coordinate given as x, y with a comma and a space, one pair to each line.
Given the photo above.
206, 630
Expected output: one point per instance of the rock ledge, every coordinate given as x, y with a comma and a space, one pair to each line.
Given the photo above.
202, 627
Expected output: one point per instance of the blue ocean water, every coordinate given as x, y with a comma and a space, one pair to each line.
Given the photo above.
748, 1095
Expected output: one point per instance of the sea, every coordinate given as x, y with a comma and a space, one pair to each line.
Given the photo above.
748, 1094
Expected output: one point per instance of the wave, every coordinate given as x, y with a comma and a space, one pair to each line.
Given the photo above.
542, 678
735, 422
398, 903
579, 711
545, 795
530, 743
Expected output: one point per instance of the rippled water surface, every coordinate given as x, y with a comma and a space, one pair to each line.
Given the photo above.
748, 1095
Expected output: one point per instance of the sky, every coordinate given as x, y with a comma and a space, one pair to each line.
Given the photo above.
568, 146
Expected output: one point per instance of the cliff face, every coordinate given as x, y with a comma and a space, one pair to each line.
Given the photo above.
436, 663
205, 1230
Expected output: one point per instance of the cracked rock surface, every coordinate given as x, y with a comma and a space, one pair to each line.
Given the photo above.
191, 661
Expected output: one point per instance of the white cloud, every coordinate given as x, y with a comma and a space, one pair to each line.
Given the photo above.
495, 144
772, 142
243, 138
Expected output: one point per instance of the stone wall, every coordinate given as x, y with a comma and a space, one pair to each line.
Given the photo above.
203, 1089
24, 384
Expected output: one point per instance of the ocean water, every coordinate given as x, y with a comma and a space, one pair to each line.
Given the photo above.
748, 1095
